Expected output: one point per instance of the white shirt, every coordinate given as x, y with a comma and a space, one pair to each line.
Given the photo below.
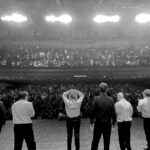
124, 110
72, 106
22, 111
144, 107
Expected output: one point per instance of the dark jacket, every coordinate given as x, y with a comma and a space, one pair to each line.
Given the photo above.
103, 110
2, 113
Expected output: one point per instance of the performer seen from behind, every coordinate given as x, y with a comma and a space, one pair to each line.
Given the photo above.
144, 108
124, 113
103, 116
2, 115
73, 100
22, 112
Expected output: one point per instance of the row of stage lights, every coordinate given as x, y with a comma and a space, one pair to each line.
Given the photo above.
66, 19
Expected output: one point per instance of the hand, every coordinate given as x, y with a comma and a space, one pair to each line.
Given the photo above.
92, 126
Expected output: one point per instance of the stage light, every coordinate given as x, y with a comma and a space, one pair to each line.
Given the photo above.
18, 18
142, 18
103, 19
115, 18
65, 19
100, 19
51, 18
6, 18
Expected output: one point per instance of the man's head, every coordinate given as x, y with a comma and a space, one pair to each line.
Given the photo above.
103, 87
73, 94
146, 93
120, 96
23, 95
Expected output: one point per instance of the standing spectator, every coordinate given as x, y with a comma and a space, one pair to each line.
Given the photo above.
2, 115
73, 99
124, 113
22, 111
144, 108
103, 116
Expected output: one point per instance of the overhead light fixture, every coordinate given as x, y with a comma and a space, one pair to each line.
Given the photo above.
51, 18
142, 18
104, 18
66, 19
15, 17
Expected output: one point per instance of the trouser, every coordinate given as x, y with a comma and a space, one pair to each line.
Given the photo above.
124, 135
147, 131
24, 132
101, 129
1, 128
73, 124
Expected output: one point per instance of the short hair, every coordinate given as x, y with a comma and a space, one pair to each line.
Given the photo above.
120, 96
22, 94
73, 95
146, 92
103, 87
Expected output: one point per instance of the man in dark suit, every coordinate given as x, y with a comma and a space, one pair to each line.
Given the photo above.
144, 108
2, 115
103, 116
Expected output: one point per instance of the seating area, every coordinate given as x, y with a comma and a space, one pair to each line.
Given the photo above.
37, 56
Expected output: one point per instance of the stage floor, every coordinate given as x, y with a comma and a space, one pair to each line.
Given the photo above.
51, 135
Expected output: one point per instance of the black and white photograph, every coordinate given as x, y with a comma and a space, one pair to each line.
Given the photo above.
74, 74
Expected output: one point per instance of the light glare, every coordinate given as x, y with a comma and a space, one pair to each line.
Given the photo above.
104, 18
65, 19
18, 18
100, 19
142, 18
51, 18
115, 18
6, 18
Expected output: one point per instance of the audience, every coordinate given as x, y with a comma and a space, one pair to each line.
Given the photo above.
37, 56
48, 102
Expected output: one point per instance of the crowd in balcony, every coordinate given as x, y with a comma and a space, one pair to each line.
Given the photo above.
42, 57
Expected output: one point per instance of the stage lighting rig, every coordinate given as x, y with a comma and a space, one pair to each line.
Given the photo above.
15, 17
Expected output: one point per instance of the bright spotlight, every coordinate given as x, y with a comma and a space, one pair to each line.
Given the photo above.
6, 18
103, 18
115, 18
51, 18
18, 18
65, 19
142, 18
100, 19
